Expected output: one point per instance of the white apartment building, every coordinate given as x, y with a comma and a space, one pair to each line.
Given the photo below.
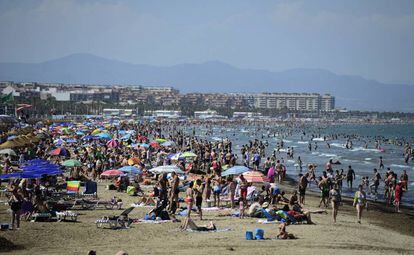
294, 101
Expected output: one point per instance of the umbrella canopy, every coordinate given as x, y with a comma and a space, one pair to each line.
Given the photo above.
71, 163
59, 152
167, 169
131, 169
96, 131
189, 154
112, 143
144, 145
134, 161
154, 145
168, 143
8, 151
112, 172
255, 176
104, 136
235, 170
160, 140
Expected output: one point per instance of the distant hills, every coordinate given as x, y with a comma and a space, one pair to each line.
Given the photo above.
352, 92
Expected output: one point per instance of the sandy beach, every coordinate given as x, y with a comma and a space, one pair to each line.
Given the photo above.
381, 232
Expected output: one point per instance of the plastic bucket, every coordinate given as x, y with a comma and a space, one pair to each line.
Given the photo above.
249, 235
259, 234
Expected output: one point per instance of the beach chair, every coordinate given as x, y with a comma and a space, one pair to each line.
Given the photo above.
66, 216
91, 189
115, 222
72, 188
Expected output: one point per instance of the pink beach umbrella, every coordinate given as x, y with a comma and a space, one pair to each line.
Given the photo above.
112, 172
112, 143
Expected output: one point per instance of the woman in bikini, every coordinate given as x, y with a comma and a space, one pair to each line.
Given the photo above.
360, 200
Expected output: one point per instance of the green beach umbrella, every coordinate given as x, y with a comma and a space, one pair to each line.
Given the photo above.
189, 154
71, 163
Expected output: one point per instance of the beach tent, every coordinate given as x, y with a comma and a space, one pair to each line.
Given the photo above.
104, 136
235, 170
167, 169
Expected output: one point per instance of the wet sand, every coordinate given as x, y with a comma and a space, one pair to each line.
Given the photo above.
381, 232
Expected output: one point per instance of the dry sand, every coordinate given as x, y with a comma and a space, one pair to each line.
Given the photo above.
381, 232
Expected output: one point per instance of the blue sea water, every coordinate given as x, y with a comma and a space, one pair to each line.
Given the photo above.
362, 160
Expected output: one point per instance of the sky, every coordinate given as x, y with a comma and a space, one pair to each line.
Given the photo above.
371, 38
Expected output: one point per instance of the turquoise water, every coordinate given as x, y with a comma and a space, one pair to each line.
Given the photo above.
362, 160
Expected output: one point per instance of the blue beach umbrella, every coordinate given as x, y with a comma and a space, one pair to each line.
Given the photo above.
130, 169
235, 170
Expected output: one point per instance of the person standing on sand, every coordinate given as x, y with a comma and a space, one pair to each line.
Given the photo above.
303, 184
360, 201
350, 177
335, 197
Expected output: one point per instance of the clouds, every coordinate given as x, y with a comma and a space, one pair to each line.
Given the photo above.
370, 38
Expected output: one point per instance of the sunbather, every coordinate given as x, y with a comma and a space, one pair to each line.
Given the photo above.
189, 223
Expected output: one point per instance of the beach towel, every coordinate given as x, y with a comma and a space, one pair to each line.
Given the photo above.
142, 205
265, 221
210, 231
72, 187
151, 221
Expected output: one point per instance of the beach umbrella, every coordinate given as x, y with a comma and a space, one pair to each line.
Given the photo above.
154, 145
126, 137
144, 145
160, 140
71, 163
133, 161
8, 151
96, 131
112, 143
112, 172
10, 176
89, 137
104, 136
58, 142
80, 133
167, 169
189, 154
176, 156
59, 152
131, 169
71, 140
255, 176
168, 143
235, 170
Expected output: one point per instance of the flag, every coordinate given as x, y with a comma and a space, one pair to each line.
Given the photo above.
7, 98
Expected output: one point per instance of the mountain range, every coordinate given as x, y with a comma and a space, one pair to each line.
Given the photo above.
351, 92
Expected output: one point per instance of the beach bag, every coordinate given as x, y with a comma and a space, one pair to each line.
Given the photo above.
131, 190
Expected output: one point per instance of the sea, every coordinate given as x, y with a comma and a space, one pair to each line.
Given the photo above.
363, 160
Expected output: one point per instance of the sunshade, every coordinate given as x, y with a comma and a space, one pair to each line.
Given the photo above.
112, 172
235, 170
167, 169
71, 163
